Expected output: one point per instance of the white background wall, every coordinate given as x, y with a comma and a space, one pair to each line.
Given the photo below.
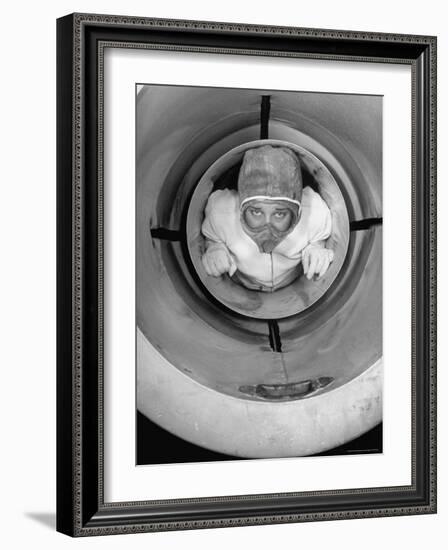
27, 237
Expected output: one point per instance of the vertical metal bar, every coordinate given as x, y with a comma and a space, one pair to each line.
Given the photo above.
264, 116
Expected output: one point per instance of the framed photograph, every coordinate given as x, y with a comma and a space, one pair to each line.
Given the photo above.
246, 274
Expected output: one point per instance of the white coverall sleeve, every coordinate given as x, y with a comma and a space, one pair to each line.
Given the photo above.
322, 225
316, 258
211, 229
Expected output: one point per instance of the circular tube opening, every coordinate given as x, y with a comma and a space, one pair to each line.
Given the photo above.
301, 293
203, 366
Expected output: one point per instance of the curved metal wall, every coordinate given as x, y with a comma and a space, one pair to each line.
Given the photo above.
181, 131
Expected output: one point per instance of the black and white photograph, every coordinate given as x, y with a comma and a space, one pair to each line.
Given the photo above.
221, 288
258, 273
246, 276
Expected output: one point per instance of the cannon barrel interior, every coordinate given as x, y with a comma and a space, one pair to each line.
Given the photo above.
300, 372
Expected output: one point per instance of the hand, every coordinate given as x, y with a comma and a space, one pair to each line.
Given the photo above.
316, 260
217, 261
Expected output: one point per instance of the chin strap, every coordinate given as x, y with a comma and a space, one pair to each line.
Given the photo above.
272, 272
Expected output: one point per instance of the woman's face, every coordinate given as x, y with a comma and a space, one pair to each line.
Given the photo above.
260, 213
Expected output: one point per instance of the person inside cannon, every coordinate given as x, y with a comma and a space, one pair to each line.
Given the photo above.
262, 232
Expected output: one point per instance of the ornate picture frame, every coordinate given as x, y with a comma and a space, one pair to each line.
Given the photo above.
81, 506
